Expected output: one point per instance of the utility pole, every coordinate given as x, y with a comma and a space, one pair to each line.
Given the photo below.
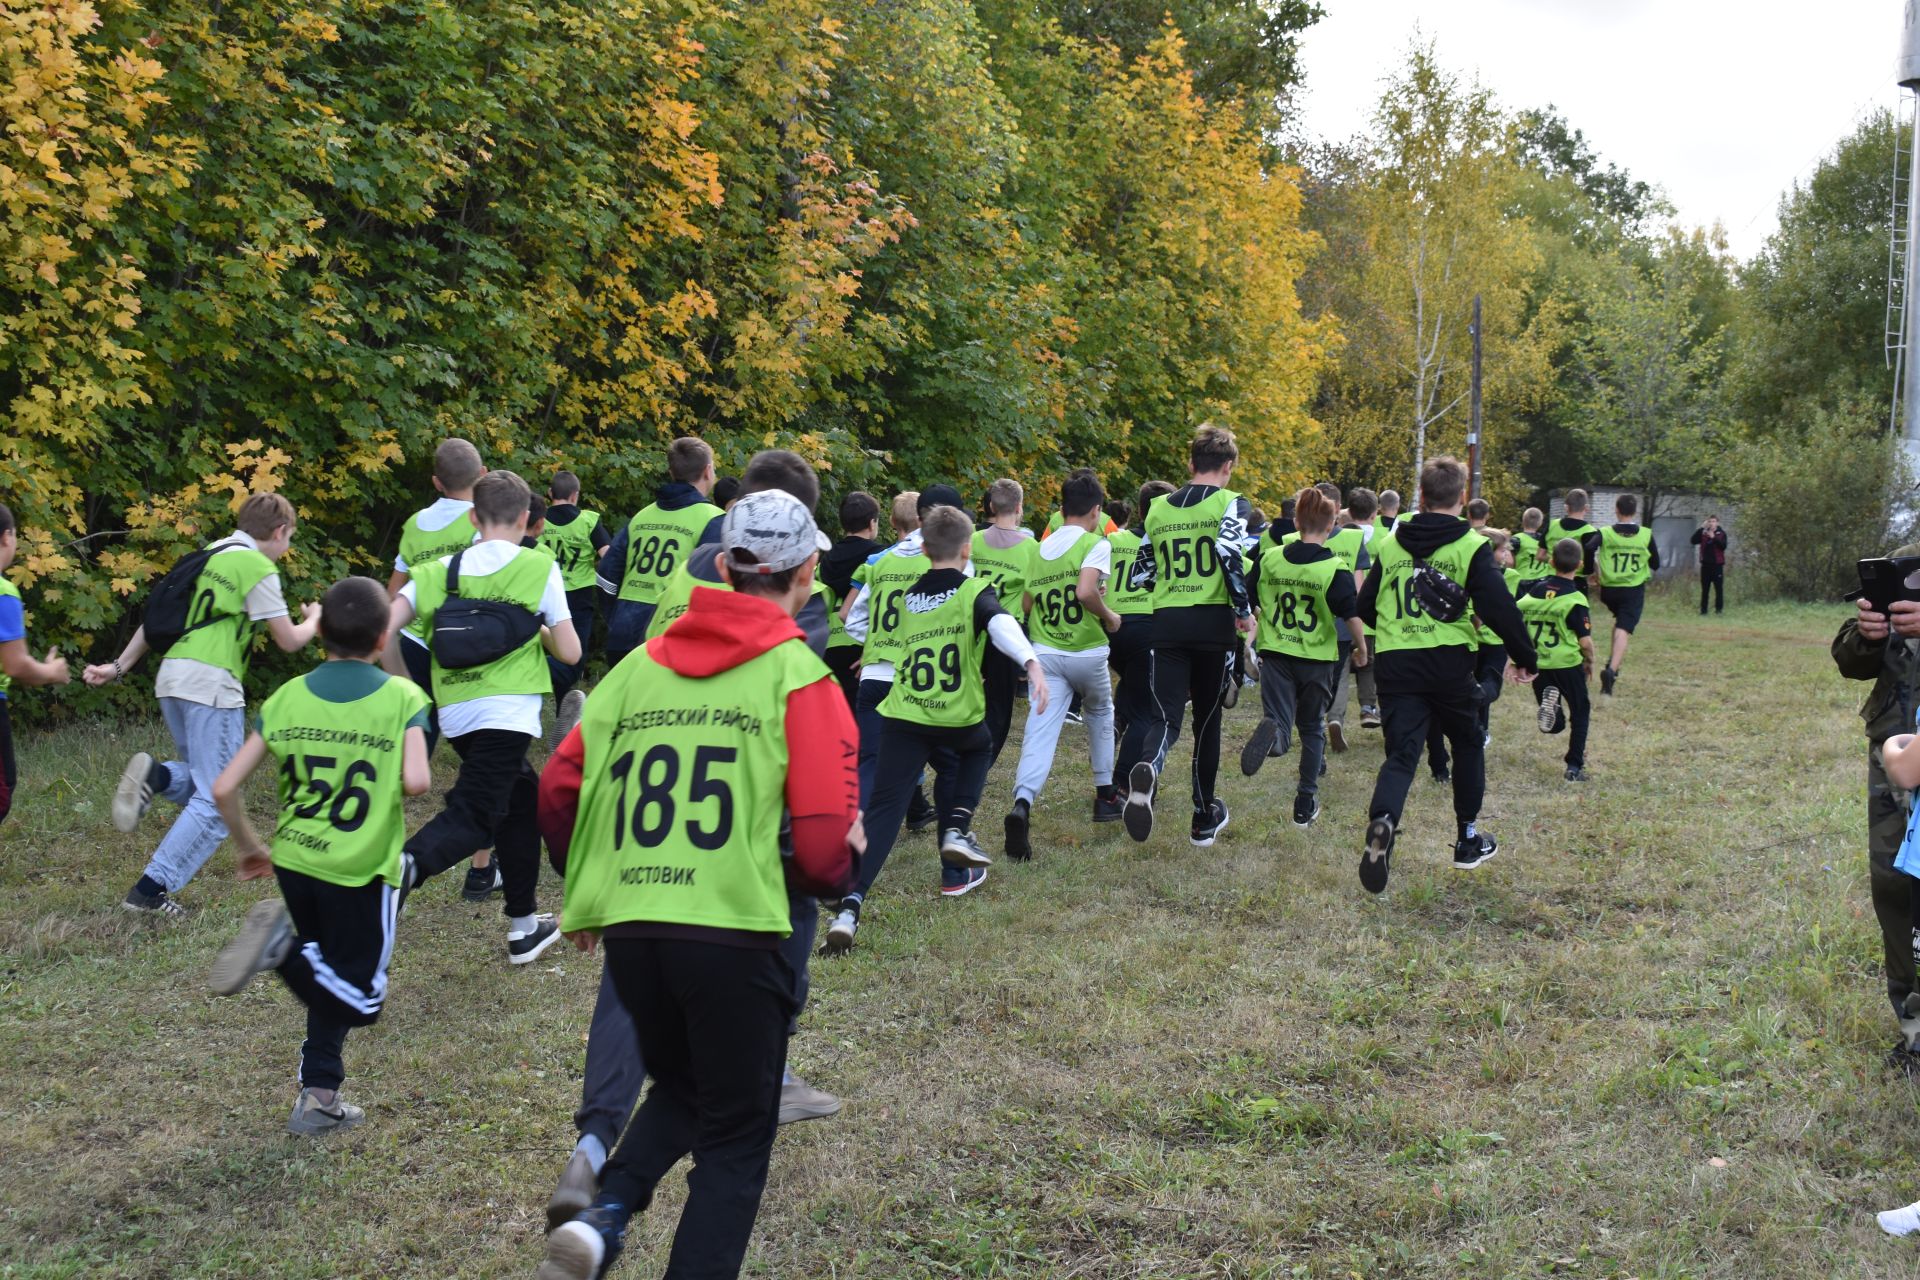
1473, 430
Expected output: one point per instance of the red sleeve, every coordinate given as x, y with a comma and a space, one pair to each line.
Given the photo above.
559, 802
823, 787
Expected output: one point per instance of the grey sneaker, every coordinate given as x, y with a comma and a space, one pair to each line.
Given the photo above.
263, 943
959, 849
133, 795
579, 1184
310, 1117
567, 719
801, 1101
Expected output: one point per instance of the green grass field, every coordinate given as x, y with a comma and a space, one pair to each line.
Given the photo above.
1646, 1040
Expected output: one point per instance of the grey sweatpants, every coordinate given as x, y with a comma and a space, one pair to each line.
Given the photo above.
1362, 680
1068, 673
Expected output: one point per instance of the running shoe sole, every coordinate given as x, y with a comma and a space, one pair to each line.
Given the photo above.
1138, 815
239, 961
838, 942
1019, 845
568, 718
1254, 754
1375, 862
578, 1186
130, 795
574, 1252
1336, 736
1549, 710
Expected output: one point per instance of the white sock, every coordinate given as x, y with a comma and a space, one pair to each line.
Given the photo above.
521, 924
1901, 1222
594, 1150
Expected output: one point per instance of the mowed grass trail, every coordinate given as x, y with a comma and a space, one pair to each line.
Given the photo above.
1646, 1040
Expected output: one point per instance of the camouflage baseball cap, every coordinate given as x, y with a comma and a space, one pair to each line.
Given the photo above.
774, 528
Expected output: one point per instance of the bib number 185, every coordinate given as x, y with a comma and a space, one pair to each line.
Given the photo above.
651, 797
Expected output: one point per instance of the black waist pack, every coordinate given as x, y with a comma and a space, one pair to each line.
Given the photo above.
472, 633
1440, 597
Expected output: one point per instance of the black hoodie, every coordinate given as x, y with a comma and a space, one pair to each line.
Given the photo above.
838, 565
1443, 667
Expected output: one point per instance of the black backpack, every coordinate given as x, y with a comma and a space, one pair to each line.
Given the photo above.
170, 605
472, 633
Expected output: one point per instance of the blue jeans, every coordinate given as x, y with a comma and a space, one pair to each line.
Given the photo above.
207, 738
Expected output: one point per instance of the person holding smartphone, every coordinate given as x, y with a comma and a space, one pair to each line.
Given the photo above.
1712, 541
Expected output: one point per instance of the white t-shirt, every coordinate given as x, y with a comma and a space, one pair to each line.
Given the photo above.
512, 712
192, 680
1057, 544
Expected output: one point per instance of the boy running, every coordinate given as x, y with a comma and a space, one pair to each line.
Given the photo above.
1557, 617
201, 697
1192, 559
433, 533
1531, 556
1361, 505
860, 531
644, 555
16, 662
1427, 665
1131, 653
1306, 597
1574, 525
490, 701
1069, 626
349, 742
576, 540
1626, 558
1003, 559
934, 712
666, 811
1389, 513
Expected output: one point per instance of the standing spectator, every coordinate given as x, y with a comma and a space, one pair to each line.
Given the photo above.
1712, 541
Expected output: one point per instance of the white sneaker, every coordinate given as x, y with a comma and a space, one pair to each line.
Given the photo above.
310, 1117
133, 795
840, 933
958, 848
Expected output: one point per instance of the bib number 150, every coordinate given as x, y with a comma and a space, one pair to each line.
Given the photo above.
651, 797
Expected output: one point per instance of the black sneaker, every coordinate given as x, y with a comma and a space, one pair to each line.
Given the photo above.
1138, 813
1208, 826
1549, 716
1576, 774
525, 948
1108, 804
1443, 775
1474, 850
583, 1248
1254, 754
482, 882
1305, 809
1607, 676
1019, 847
152, 904
1377, 855
1903, 1058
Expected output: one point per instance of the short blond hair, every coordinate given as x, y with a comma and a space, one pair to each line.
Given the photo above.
262, 514
906, 511
1005, 496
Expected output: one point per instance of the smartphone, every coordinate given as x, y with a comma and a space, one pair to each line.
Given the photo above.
1884, 581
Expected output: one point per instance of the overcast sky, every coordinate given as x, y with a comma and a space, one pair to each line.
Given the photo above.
1722, 103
